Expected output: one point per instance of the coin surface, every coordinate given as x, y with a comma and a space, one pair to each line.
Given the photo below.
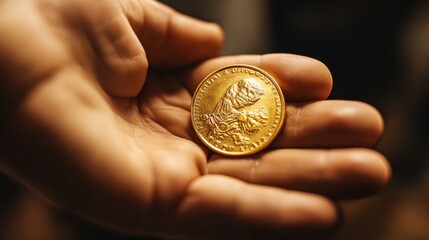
238, 110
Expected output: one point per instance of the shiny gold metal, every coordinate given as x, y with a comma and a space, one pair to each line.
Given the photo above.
238, 110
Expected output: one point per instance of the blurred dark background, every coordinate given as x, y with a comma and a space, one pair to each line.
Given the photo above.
377, 51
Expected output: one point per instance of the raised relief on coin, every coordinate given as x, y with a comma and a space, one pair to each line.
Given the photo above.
229, 120
237, 110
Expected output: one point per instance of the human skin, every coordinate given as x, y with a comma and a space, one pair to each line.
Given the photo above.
95, 99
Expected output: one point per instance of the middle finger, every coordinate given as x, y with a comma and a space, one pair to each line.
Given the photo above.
326, 124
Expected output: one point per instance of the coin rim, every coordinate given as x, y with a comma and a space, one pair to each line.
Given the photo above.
265, 144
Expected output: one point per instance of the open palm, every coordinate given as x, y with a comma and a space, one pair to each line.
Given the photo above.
99, 123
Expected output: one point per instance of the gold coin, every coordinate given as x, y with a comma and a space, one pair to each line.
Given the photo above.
238, 110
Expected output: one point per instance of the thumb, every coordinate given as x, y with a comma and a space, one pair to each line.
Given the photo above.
130, 35
169, 38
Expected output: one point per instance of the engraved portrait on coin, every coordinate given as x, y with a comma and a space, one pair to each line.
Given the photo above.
237, 110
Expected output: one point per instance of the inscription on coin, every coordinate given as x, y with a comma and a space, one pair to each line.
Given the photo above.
238, 110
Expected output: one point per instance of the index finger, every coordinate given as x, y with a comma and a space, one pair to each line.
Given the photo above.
301, 78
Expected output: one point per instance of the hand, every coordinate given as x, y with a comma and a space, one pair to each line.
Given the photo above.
91, 127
